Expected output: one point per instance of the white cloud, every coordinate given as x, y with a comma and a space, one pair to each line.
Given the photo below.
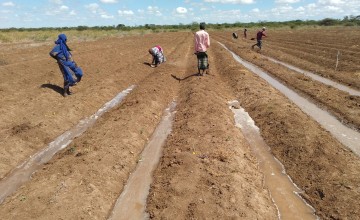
282, 10
256, 10
125, 12
107, 16
286, 1
72, 12
331, 2
8, 4
311, 6
300, 9
64, 8
58, 2
154, 10
333, 8
93, 7
5, 11
231, 1
109, 1
181, 10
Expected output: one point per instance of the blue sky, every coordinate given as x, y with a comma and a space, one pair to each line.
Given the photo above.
70, 13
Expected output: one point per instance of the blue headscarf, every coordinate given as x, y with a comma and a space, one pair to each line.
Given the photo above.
63, 47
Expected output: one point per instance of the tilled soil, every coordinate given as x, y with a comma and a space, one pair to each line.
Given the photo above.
207, 169
329, 52
342, 105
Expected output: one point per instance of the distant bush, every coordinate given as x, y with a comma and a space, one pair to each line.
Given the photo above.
349, 24
84, 32
328, 22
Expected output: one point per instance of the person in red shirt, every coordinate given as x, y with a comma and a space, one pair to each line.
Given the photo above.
202, 43
259, 36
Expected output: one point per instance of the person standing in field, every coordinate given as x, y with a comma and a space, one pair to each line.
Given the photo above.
68, 67
157, 54
202, 43
259, 36
245, 33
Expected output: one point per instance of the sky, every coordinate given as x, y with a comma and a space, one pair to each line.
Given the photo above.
73, 13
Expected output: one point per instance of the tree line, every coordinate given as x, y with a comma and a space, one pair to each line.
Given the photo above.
346, 21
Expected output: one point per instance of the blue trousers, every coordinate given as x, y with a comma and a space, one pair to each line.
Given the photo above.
69, 69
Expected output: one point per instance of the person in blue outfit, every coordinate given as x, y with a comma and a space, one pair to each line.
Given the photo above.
68, 67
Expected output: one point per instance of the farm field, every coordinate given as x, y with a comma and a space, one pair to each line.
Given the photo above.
208, 168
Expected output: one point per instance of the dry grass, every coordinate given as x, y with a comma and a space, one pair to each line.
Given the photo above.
16, 36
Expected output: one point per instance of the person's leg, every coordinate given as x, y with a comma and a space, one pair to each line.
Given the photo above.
69, 68
66, 82
76, 70
259, 44
198, 56
206, 63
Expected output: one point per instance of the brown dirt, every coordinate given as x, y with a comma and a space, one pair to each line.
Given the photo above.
342, 105
207, 169
316, 50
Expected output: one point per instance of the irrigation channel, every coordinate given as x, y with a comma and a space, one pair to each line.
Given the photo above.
23, 172
283, 190
342, 133
317, 77
132, 202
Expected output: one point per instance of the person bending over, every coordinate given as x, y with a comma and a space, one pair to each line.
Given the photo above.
157, 54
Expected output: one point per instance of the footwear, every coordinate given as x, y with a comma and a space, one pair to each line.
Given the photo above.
65, 91
68, 92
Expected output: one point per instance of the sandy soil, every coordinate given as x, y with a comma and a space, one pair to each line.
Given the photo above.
207, 169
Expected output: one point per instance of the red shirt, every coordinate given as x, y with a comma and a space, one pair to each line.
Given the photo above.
260, 34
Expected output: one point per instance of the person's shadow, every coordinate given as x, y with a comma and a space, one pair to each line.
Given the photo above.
56, 88
186, 77
147, 63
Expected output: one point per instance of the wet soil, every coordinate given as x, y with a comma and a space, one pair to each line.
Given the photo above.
207, 169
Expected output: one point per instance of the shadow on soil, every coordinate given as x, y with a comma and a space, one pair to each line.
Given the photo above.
148, 64
56, 88
180, 79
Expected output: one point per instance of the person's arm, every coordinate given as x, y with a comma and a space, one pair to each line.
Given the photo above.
56, 53
207, 41
70, 57
196, 43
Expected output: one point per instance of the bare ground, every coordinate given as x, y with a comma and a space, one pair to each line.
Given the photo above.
207, 169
